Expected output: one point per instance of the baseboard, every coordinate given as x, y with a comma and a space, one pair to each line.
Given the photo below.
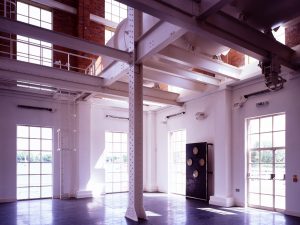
291, 213
5, 200
84, 194
221, 201
151, 189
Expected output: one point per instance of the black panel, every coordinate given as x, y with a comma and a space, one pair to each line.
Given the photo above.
196, 171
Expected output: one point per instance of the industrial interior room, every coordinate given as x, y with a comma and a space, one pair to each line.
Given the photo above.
149, 112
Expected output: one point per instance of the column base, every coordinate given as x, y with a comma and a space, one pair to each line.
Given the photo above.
84, 194
221, 201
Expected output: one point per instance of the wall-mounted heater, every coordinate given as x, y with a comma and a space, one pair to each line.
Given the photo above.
36, 108
117, 117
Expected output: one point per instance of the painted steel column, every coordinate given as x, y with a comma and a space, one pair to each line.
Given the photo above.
135, 208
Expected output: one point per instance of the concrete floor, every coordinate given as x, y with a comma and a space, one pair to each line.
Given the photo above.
161, 209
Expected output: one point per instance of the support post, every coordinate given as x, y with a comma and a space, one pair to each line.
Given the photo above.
135, 208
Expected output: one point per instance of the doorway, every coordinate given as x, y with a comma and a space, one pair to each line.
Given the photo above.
34, 162
266, 162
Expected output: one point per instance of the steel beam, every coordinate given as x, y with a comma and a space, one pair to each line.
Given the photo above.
234, 33
164, 77
184, 73
68, 41
181, 56
158, 37
114, 72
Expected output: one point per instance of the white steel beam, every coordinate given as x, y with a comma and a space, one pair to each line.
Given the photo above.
183, 73
57, 5
115, 71
103, 21
15, 70
68, 41
221, 28
181, 56
164, 77
158, 37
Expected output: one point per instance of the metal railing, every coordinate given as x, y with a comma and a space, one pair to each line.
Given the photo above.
58, 59
8, 8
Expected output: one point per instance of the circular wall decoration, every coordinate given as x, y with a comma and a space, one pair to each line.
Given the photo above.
195, 150
201, 162
189, 162
195, 173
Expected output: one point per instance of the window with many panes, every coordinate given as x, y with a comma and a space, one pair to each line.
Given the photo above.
116, 162
177, 154
266, 161
30, 49
115, 12
34, 162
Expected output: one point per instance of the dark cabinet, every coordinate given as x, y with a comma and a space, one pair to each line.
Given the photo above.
197, 170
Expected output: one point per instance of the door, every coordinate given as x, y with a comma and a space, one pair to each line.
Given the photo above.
266, 162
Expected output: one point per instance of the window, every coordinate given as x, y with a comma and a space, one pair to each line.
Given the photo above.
266, 162
115, 12
116, 163
29, 49
177, 154
34, 162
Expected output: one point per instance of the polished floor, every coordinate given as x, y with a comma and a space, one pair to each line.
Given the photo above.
110, 210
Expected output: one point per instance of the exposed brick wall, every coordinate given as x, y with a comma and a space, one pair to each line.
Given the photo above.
234, 58
292, 35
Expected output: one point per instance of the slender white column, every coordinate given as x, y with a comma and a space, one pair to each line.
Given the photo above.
135, 208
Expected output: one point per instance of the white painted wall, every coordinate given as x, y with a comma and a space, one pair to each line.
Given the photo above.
285, 100
10, 117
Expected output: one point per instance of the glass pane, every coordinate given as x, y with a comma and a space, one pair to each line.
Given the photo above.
35, 168
46, 192
116, 137
266, 170
34, 22
279, 139
46, 16
280, 187
279, 202
253, 126
34, 180
46, 132
34, 12
266, 140
254, 185
35, 144
35, 156
46, 180
116, 187
108, 136
23, 19
108, 187
266, 156
22, 144
117, 147
22, 193
279, 171
253, 141
253, 199
46, 145
279, 122
266, 186
254, 156
267, 200
280, 156
124, 137
46, 168
266, 124
47, 157
46, 25
22, 180
23, 48
34, 192
254, 170
22, 168
22, 131
22, 8
35, 132
22, 156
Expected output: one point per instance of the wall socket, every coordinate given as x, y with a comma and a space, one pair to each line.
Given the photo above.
237, 190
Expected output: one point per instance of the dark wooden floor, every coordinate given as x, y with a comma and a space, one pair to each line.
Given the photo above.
161, 209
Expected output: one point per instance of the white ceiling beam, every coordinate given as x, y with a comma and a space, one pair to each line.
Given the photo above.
57, 5
115, 71
181, 56
103, 21
158, 37
163, 77
68, 41
12, 70
183, 73
221, 28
